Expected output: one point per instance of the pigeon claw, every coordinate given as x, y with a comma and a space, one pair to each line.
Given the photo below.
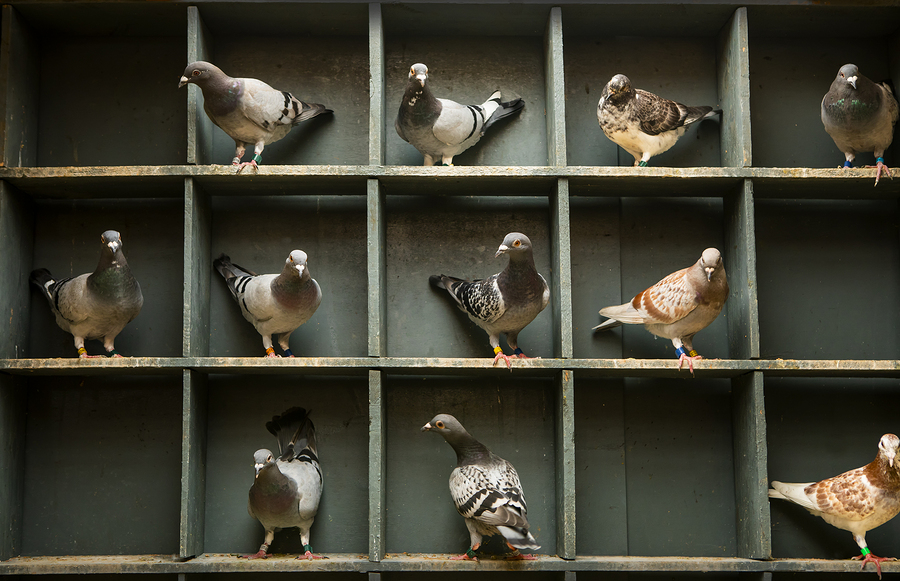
684, 357
879, 169
870, 558
259, 555
309, 556
520, 557
246, 163
502, 355
463, 557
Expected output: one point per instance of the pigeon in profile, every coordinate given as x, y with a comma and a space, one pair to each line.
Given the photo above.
248, 110
287, 489
441, 128
678, 306
505, 302
641, 123
486, 491
860, 116
855, 501
273, 303
96, 305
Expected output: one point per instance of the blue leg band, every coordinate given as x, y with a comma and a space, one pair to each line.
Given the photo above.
848, 164
287, 353
518, 351
879, 159
680, 351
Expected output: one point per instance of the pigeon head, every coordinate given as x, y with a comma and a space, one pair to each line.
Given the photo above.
419, 72
296, 261
888, 448
447, 426
849, 73
619, 85
199, 73
710, 261
515, 243
262, 458
112, 240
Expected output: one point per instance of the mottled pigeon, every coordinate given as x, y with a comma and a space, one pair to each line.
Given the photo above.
441, 128
505, 302
486, 491
678, 306
96, 305
273, 303
287, 489
641, 123
248, 110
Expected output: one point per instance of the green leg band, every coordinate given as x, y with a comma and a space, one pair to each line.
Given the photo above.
257, 158
470, 553
307, 548
112, 353
865, 551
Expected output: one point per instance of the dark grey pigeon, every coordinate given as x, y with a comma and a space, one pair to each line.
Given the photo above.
641, 123
273, 303
287, 489
860, 116
486, 491
441, 128
97, 305
506, 302
248, 110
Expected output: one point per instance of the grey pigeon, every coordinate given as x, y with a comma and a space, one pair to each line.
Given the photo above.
273, 303
97, 305
441, 128
505, 302
855, 501
641, 123
248, 110
486, 491
860, 116
287, 489
678, 306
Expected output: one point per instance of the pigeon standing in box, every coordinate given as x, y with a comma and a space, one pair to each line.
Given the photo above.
641, 123
855, 501
678, 306
860, 116
505, 302
97, 305
287, 489
486, 491
273, 303
441, 128
248, 110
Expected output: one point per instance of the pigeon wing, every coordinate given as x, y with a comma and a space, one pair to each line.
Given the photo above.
457, 123
479, 495
481, 299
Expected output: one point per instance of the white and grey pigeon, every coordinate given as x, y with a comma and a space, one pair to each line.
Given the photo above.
273, 303
860, 116
678, 306
486, 491
441, 128
287, 489
248, 110
642, 123
855, 501
94, 305
505, 302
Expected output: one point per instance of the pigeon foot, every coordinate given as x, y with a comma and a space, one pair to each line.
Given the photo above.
246, 163
260, 555
309, 556
86, 356
870, 558
881, 168
520, 557
501, 354
690, 359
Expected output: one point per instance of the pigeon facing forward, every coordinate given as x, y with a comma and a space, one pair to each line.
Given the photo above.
486, 491
287, 489
441, 128
641, 123
96, 305
505, 302
855, 501
860, 116
248, 110
273, 303
678, 306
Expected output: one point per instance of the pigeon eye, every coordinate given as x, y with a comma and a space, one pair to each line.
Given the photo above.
517, 243
439, 424
196, 73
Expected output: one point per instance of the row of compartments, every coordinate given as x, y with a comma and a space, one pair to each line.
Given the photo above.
657, 466
127, 58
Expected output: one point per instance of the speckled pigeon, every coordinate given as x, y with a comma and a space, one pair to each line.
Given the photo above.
505, 302
441, 128
678, 306
97, 305
855, 501
486, 491
248, 110
287, 489
273, 303
860, 116
641, 123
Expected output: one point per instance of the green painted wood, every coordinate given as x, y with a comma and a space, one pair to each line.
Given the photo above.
750, 457
19, 90
376, 232
12, 463
377, 474
16, 239
565, 464
742, 308
376, 86
733, 75
193, 463
561, 263
554, 74
199, 126
197, 267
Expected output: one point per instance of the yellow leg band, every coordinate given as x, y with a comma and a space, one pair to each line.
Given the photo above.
497, 350
270, 351
82, 351
692, 352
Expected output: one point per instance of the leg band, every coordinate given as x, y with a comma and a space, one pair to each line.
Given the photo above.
307, 548
680, 351
257, 158
497, 350
112, 353
270, 351
518, 351
865, 551
692, 353
470, 553
82, 351
288, 353
879, 160
848, 164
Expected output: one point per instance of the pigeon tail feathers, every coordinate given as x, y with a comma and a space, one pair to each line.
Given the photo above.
519, 538
294, 431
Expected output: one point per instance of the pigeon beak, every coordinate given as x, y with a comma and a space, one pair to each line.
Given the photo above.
426, 427
299, 268
502, 250
258, 467
421, 79
184, 81
852, 81
709, 272
113, 246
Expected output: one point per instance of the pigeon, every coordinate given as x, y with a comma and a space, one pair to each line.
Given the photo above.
248, 110
678, 306
486, 491
505, 302
273, 303
96, 305
641, 123
287, 489
855, 501
441, 128
860, 116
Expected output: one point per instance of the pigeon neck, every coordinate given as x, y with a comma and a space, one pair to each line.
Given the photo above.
520, 263
416, 96
270, 481
469, 450
112, 272
221, 93
883, 475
